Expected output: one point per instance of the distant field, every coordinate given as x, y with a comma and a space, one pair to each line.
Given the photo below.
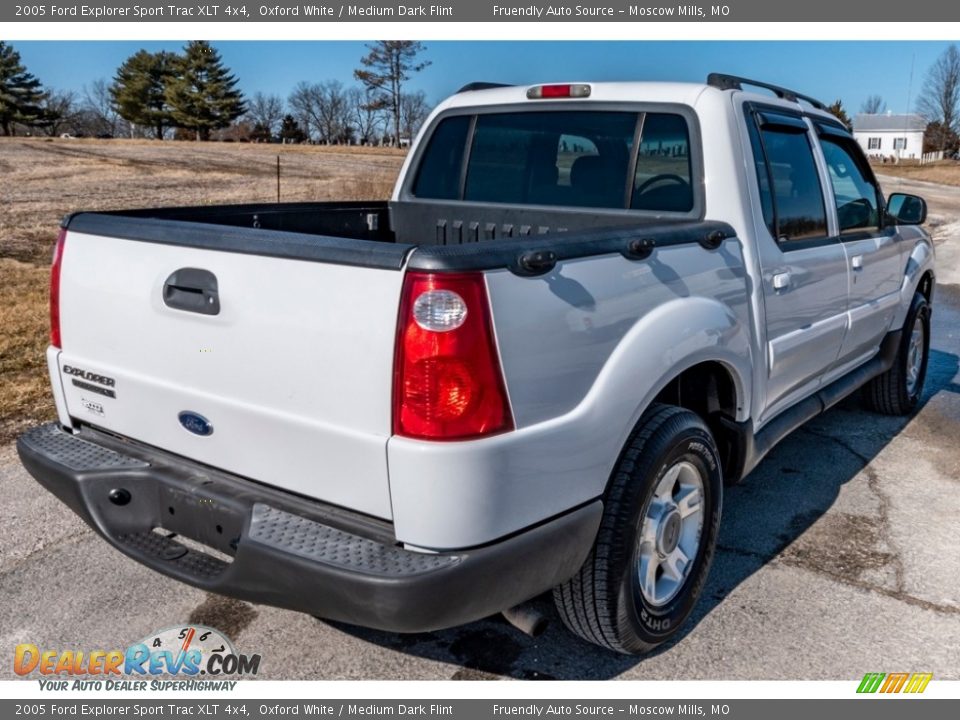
945, 172
43, 179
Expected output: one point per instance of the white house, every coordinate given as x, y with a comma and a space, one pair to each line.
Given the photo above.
889, 135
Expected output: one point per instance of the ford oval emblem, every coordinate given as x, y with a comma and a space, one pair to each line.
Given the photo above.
195, 423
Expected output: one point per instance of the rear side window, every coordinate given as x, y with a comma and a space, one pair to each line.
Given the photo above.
578, 158
790, 192
440, 168
662, 179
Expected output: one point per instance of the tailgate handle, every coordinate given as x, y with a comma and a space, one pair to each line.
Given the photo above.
192, 290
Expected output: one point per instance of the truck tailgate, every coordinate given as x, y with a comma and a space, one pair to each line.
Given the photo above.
292, 377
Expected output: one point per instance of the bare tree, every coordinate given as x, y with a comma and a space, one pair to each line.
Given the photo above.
304, 105
266, 111
386, 67
58, 111
873, 105
100, 115
365, 117
414, 109
334, 112
323, 108
939, 98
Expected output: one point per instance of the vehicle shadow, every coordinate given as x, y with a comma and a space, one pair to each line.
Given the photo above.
764, 521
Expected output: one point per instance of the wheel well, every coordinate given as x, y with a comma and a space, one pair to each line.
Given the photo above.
708, 389
925, 287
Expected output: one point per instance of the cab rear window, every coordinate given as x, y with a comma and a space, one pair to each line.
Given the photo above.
561, 158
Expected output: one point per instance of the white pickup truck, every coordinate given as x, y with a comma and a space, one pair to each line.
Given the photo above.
586, 308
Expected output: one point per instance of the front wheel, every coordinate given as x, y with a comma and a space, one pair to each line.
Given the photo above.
656, 539
898, 390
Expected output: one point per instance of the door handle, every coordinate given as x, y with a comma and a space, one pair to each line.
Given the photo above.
781, 281
856, 262
192, 290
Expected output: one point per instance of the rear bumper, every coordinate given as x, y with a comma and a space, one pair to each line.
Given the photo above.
279, 549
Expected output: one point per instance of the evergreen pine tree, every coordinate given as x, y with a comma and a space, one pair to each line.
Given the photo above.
838, 111
139, 89
203, 96
20, 92
290, 130
260, 133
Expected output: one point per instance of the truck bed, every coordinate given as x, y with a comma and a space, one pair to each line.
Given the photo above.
381, 234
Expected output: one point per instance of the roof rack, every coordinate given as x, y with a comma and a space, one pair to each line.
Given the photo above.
733, 82
470, 87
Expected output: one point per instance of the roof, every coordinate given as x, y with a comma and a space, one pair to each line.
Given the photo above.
889, 122
681, 93
669, 92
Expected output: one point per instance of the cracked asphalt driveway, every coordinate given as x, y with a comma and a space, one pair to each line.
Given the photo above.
839, 555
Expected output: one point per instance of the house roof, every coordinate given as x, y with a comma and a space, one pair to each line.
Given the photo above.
890, 122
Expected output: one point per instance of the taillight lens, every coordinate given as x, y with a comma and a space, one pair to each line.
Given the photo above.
55, 289
447, 379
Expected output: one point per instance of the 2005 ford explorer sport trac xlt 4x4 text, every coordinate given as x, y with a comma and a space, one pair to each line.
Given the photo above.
585, 309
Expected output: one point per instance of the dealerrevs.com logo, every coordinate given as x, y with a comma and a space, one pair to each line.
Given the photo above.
201, 657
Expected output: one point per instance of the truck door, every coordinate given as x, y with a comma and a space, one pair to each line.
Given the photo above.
873, 251
803, 264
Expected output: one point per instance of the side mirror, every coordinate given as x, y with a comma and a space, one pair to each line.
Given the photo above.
907, 209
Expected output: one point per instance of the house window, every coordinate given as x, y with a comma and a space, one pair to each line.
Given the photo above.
900, 143
873, 143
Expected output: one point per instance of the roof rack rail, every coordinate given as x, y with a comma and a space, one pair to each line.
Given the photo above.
470, 87
733, 82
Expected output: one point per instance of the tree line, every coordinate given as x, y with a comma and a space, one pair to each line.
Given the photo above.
193, 95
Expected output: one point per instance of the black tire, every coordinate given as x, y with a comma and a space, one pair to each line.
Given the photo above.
891, 393
603, 602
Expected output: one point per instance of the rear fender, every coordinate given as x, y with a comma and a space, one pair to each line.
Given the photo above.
461, 494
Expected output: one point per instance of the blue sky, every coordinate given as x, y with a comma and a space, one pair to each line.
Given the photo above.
827, 70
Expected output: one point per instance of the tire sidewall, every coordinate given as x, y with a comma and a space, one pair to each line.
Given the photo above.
651, 624
919, 311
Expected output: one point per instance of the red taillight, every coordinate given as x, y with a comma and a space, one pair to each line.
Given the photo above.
55, 289
447, 381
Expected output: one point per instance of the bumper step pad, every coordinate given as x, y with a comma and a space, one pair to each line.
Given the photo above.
72, 452
322, 544
197, 564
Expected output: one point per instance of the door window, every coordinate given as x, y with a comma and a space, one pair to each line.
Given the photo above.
790, 192
857, 198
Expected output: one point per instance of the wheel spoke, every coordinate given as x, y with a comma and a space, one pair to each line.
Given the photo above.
648, 574
648, 531
689, 501
675, 564
664, 491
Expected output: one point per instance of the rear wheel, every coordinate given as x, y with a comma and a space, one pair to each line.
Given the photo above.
898, 390
656, 539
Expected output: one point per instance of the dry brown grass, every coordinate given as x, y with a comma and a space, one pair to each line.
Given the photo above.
945, 172
43, 179
25, 397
